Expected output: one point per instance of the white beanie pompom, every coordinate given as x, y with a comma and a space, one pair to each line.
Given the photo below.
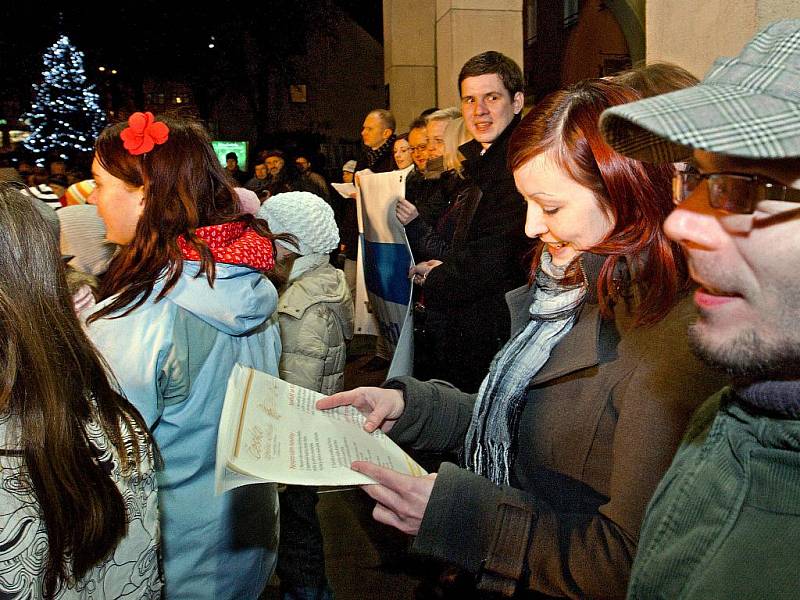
304, 215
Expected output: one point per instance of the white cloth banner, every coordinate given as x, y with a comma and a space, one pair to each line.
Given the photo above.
386, 259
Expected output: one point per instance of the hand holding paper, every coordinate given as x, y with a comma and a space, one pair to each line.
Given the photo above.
271, 430
380, 406
401, 500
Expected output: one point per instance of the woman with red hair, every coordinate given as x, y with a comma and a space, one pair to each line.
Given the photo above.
583, 408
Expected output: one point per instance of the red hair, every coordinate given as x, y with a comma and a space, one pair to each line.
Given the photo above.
636, 195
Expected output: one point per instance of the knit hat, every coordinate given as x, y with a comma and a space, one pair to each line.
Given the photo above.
349, 166
306, 216
78, 193
271, 153
83, 236
746, 106
44, 193
248, 200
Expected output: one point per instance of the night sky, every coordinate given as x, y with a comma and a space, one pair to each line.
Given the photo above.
159, 38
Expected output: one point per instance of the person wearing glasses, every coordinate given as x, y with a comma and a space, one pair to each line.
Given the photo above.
418, 142
582, 410
725, 520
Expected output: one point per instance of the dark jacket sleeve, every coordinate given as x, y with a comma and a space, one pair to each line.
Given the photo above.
489, 261
425, 242
436, 416
514, 539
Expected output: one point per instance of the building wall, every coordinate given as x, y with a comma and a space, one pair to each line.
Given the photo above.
409, 47
692, 34
465, 28
339, 92
558, 56
342, 71
596, 45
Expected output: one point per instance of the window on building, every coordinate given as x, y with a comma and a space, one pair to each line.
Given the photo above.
571, 10
531, 25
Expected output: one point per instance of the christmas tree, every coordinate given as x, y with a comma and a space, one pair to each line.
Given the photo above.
65, 117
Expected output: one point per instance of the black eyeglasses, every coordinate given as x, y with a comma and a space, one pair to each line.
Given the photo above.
731, 192
418, 148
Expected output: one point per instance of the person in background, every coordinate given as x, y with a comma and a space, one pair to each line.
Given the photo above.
182, 302
430, 222
44, 193
377, 133
258, 182
281, 177
402, 152
57, 167
724, 521
232, 167
656, 78
311, 181
79, 192
348, 171
338, 204
78, 492
418, 143
466, 318
436, 124
581, 411
315, 312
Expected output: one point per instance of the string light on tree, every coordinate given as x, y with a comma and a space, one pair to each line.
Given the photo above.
65, 115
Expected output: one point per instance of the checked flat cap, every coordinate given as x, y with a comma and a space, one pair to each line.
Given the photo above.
748, 106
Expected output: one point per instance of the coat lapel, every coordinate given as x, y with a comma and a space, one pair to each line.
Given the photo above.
578, 350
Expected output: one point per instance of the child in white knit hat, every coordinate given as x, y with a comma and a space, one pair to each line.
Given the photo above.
315, 311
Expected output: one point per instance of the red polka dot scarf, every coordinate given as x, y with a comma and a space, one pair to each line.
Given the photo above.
232, 243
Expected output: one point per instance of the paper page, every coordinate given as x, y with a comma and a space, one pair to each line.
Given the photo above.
345, 189
275, 433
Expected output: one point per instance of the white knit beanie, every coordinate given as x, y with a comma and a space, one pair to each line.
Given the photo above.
306, 216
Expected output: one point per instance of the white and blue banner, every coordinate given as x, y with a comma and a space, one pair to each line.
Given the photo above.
386, 259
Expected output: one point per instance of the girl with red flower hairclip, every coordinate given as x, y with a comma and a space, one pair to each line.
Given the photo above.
183, 301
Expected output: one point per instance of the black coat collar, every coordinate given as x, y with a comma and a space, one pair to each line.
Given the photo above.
495, 156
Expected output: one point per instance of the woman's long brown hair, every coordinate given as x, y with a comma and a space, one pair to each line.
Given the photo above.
52, 382
637, 195
185, 187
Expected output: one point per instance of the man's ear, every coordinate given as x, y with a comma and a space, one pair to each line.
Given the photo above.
518, 103
387, 133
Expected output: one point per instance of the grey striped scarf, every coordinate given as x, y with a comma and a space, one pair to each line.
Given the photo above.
490, 445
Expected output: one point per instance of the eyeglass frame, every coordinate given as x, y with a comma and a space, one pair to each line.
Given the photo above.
760, 189
419, 147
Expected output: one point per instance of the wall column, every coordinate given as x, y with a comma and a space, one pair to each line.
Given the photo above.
465, 28
692, 34
409, 39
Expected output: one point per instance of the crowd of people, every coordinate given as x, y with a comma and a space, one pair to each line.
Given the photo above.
606, 361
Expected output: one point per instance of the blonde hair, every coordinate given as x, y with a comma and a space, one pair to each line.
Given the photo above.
455, 134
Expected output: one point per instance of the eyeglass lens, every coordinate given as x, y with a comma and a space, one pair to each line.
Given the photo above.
731, 193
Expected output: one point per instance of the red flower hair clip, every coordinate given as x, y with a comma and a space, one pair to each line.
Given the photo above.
143, 133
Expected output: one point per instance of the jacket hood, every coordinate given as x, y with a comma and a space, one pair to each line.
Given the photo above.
241, 299
324, 284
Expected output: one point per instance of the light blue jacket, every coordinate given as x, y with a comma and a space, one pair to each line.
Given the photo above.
172, 360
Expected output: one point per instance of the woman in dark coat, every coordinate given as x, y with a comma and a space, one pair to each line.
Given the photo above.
583, 408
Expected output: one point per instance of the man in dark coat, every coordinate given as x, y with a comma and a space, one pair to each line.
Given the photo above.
466, 318
377, 133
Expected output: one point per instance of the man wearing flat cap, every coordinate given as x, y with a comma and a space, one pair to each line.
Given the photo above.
725, 520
